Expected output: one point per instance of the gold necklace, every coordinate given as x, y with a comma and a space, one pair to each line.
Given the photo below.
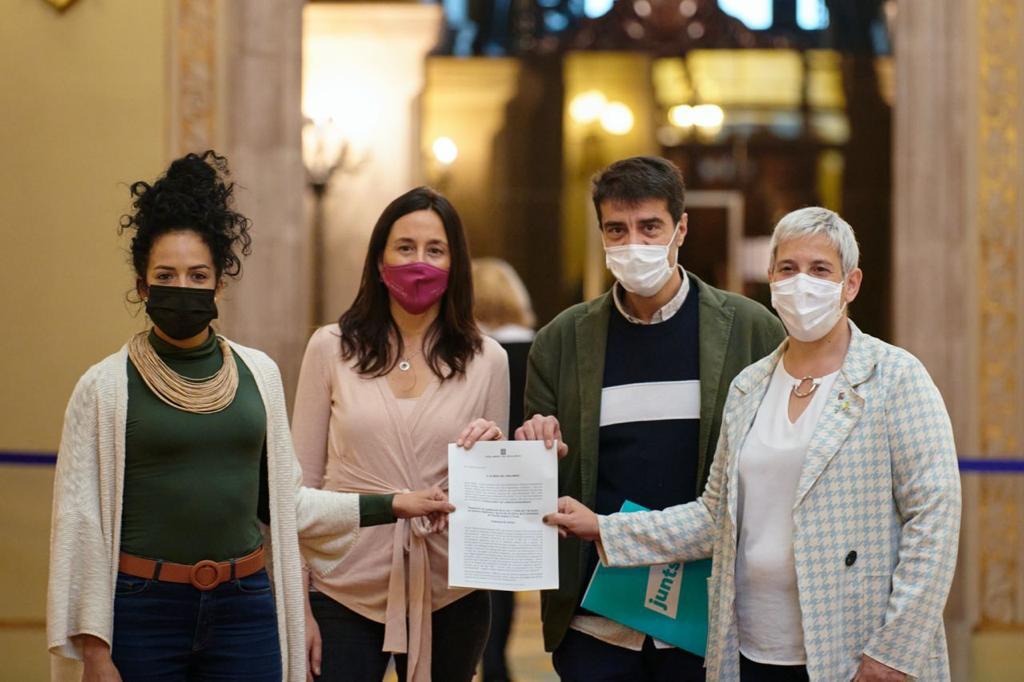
201, 396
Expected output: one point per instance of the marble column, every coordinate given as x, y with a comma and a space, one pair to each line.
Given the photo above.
196, 62
263, 43
998, 212
236, 87
959, 287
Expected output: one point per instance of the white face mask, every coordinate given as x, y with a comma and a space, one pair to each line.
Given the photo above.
642, 269
809, 306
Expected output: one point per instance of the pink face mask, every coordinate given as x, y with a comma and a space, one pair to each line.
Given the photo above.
415, 286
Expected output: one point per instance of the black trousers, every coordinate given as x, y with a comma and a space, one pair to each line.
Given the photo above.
503, 606
352, 644
582, 658
751, 671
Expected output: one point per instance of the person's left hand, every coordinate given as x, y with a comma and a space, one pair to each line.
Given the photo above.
574, 518
313, 644
479, 429
871, 670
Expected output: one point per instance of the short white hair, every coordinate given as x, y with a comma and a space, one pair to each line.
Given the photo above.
815, 220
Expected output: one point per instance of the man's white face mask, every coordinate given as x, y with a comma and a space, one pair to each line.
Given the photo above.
642, 269
809, 306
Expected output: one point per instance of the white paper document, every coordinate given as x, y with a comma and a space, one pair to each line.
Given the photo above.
496, 540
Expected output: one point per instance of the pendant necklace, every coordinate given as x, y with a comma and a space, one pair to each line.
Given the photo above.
404, 367
810, 391
405, 364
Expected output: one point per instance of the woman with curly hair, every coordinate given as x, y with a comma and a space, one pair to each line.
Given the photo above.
404, 372
177, 499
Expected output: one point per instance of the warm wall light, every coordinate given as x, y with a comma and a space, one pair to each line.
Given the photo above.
586, 107
681, 116
445, 150
323, 147
708, 116
617, 118
335, 90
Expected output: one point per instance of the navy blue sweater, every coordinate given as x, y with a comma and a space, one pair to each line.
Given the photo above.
650, 407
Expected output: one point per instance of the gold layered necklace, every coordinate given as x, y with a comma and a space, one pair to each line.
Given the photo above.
202, 396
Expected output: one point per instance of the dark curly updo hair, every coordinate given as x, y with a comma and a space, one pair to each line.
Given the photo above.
195, 195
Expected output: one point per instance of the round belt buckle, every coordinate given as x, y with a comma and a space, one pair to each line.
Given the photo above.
204, 575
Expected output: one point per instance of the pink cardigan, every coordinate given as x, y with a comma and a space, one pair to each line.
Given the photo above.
350, 435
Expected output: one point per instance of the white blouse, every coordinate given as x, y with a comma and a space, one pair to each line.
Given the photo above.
770, 463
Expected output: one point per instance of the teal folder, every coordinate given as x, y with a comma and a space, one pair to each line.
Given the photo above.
668, 602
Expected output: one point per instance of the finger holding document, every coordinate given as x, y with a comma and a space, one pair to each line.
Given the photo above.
479, 429
545, 428
430, 502
574, 518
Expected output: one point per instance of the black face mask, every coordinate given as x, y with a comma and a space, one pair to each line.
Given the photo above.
181, 312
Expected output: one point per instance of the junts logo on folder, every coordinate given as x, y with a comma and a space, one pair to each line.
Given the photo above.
669, 602
664, 583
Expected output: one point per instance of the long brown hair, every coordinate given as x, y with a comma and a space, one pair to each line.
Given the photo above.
367, 328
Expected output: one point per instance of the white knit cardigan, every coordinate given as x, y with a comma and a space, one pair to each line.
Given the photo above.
86, 527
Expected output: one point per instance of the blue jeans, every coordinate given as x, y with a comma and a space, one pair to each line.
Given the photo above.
169, 632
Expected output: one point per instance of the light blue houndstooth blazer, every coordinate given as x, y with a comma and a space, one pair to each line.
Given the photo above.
880, 479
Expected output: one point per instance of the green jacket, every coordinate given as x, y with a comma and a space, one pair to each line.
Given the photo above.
564, 378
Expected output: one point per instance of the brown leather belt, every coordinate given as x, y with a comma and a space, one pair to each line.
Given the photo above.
204, 575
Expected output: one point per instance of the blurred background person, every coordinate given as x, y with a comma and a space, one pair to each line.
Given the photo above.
503, 310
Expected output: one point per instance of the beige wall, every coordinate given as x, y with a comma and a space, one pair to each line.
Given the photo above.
82, 113
82, 110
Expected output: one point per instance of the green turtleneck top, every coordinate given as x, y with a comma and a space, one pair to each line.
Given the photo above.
193, 482
195, 485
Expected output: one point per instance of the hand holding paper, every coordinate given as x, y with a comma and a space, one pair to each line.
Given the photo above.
574, 518
479, 429
547, 429
431, 502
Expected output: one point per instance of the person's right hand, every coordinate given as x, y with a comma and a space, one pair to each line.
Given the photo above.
547, 429
574, 518
429, 502
98, 665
